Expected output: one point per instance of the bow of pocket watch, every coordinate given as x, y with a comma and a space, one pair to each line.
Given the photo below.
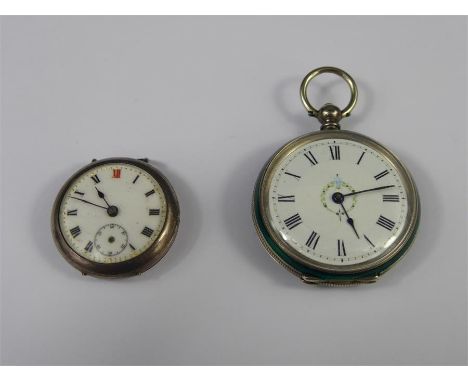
335, 207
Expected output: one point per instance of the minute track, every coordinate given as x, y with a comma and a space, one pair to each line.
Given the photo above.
140, 218
354, 209
335, 187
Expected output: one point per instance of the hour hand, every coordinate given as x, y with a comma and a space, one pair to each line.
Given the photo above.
349, 220
101, 195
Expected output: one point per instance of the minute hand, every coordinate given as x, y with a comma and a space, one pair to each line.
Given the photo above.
85, 201
370, 189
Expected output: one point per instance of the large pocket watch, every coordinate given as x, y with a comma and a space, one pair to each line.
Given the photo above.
335, 207
115, 217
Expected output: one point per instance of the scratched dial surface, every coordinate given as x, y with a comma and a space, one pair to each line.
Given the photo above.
310, 208
112, 213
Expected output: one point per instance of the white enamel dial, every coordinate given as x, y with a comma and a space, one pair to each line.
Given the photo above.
112, 213
309, 208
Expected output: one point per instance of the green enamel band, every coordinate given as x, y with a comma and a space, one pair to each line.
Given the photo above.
310, 272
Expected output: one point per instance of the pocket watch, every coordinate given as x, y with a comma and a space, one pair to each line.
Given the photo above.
335, 207
115, 217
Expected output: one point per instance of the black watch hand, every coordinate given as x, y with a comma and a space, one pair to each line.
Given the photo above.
85, 201
370, 189
349, 220
101, 195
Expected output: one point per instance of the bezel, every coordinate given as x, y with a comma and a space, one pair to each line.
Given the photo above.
138, 264
304, 266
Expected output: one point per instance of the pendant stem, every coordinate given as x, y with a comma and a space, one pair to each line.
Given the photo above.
329, 116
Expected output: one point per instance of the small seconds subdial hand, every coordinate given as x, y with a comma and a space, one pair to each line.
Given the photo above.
85, 201
349, 220
369, 189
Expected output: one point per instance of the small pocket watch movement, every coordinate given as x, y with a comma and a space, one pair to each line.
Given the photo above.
115, 217
335, 207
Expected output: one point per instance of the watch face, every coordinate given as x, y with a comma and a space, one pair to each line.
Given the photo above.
336, 202
112, 213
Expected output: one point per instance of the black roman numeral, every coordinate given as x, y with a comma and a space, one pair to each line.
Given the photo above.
368, 240
89, 246
360, 158
150, 193
341, 248
136, 178
154, 211
72, 212
381, 175
335, 152
96, 179
311, 158
147, 231
286, 198
391, 198
79, 193
293, 175
293, 221
385, 222
75, 231
131, 246
314, 237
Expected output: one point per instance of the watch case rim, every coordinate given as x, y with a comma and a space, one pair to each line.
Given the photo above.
265, 179
139, 264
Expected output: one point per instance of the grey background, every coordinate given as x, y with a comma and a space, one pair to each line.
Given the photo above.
210, 99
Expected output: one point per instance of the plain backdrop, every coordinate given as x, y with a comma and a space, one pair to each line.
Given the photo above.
208, 100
